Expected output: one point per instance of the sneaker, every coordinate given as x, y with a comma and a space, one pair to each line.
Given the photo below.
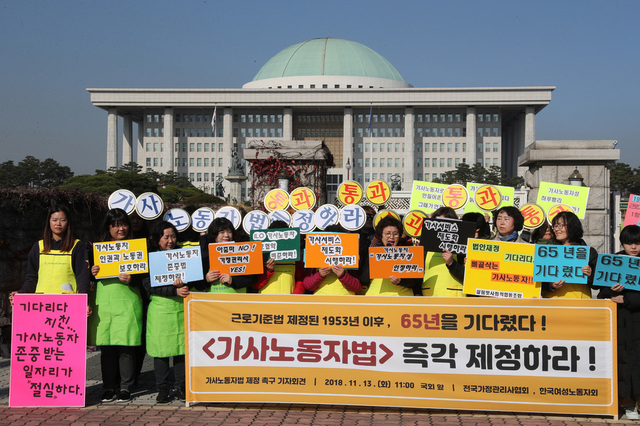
631, 413
163, 396
108, 396
180, 394
124, 396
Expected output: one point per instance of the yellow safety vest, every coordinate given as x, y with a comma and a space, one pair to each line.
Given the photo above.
55, 272
384, 287
570, 291
282, 281
438, 281
331, 285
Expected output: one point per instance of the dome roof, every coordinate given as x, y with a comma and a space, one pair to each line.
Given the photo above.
325, 60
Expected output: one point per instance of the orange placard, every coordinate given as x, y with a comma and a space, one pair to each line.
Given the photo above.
378, 192
400, 262
276, 199
236, 258
350, 192
488, 198
302, 199
332, 249
455, 196
533, 215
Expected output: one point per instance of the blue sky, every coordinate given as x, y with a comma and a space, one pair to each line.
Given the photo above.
53, 50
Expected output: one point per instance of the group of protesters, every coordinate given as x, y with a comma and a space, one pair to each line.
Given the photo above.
128, 317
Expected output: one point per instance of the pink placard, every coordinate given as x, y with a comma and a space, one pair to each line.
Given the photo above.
48, 350
632, 217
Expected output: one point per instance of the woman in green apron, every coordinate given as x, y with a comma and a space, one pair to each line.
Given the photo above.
116, 325
165, 320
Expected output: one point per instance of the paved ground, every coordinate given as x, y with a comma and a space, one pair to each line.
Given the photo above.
142, 410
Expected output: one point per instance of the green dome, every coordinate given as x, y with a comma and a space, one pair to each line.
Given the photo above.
328, 57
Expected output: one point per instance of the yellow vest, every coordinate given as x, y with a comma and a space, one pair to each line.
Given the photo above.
331, 285
55, 272
438, 281
570, 291
282, 281
384, 287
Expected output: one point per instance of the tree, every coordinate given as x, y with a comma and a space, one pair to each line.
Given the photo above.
624, 179
33, 173
463, 174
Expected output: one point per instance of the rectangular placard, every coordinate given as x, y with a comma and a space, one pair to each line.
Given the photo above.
332, 249
426, 196
400, 262
617, 269
48, 350
560, 262
551, 194
236, 258
282, 244
121, 257
169, 265
439, 234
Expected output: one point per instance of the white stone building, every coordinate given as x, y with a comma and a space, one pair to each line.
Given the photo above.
375, 124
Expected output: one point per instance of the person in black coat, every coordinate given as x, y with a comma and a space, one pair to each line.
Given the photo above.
628, 329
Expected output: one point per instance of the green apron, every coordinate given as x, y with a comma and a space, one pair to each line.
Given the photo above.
218, 287
165, 326
117, 315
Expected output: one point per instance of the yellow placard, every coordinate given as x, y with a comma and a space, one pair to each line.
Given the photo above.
378, 192
400, 262
558, 208
236, 258
382, 214
499, 269
276, 199
331, 249
507, 194
350, 192
121, 257
455, 196
533, 216
412, 223
551, 194
426, 196
302, 199
542, 355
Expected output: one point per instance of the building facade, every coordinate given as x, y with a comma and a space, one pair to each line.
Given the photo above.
376, 125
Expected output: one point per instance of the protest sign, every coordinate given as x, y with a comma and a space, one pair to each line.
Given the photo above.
533, 216
455, 196
326, 215
303, 219
236, 258
499, 269
201, 219
554, 263
426, 196
632, 216
332, 249
544, 355
169, 265
179, 218
378, 192
350, 192
302, 199
121, 257
450, 234
232, 214
488, 197
401, 262
412, 223
617, 269
276, 199
352, 217
48, 350
255, 219
550, 194
281, 215
149, 206
122, 199
282, 244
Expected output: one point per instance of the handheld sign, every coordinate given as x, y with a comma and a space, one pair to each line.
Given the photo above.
455, 196
400, 262
169, 265
255, 219
533, 216
202, 218
618, 269
302, 199
378, 192
121, 257
281, 215
332, 249
276, 199
499, 269
303, 219
632, 217
451, 234
412, 223
558, 208
48, 350
382, 214
554, 263
178, 218
350, 192
352, 217
236, 258
326, 215
149, 206
281, 245
507, 194
550, 194
426, 196
122, 199
230, 213
487, 198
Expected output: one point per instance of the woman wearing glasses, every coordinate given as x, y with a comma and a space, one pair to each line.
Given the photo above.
567, 230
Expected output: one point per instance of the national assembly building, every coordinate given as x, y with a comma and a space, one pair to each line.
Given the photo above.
376, 125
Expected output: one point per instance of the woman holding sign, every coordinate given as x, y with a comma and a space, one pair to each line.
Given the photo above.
117, 321
509, 221
165, 320
628, 302
567, 230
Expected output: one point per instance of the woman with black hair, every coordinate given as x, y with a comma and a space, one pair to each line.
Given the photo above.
628, 303
116, 324
483, 231
509, 222
567, 230
165, 320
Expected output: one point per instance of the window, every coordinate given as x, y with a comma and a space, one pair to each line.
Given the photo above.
155, 162
220, 147
177, 162
495, 147
192, 133
495, 131
487, 147
457, 147
177, 147
397, 147
219, 162
434, 147
449, 147
374, 147
419, 147
360, 162
191, 162
389, 162
397, 162
191, 177
199, 175
206, 162
418, 162
199, 146
366, 162
427, 118
374, 162
148, 162
366, 147
184, 162
457, 162
457, 118
449, 162
442, 147
442, 162
450, 118
199, 162
434, 162
206, 177
176, 132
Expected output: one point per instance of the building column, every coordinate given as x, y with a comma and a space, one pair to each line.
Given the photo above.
127, 139
112, 138
410, 149
287, 124
472, 135
140, 143
167, 141
529, 127
347, 143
